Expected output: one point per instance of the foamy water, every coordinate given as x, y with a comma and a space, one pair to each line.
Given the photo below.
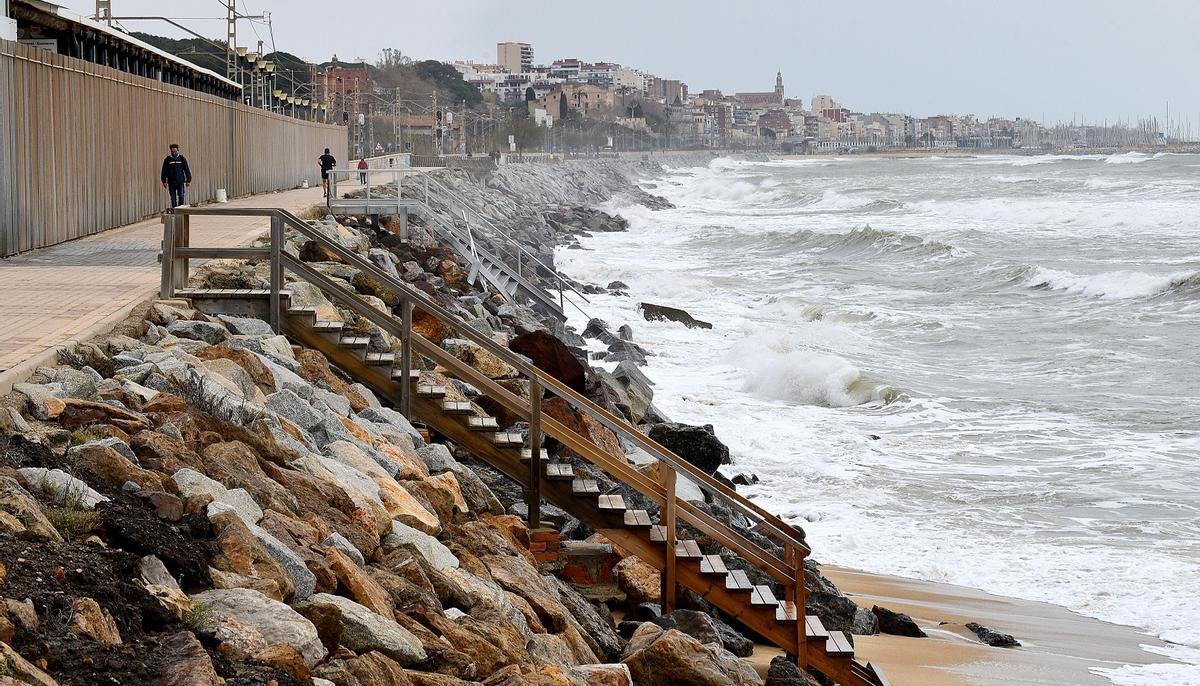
977, 371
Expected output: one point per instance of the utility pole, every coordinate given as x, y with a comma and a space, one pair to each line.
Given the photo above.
231, 65
103, 11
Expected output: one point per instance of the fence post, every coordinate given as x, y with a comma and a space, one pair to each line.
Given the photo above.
404, 224
535, 454
799, 597
668, 521
406, 307
166, 288
183, 228
276, 270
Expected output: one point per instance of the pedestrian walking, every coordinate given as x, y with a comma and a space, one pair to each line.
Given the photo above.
176, 176
362, 174
327, 162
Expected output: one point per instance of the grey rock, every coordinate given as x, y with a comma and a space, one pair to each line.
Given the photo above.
207, 332
190, 482
111, 442
155, 572
992, 637
336, 540
303, 579
292, 407
61, 487
246, 326
367, 394
436, 554
896, 623
391, 418
654, 312
273, 621
865, 623
784, 672
36, 396
364, 631
336, 403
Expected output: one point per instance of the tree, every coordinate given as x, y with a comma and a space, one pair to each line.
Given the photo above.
562, 105
530, 94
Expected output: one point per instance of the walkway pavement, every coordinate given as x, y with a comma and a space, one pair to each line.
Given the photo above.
72, 291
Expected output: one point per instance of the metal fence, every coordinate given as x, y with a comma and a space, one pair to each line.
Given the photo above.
81, 146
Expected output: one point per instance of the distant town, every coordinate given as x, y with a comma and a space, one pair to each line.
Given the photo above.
648, 110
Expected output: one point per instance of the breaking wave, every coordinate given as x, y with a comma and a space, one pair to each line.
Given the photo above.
1115, 285
776, 367
865, 239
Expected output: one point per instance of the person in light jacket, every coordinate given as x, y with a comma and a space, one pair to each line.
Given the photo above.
176, 176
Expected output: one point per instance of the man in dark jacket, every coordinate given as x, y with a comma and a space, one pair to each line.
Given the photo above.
327, 163
176, 176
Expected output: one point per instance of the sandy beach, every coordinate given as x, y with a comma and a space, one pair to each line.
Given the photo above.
1058, 647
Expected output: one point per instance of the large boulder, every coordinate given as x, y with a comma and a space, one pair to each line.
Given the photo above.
551, 356
246, 622
640, 582
696, 444
206, 332
896, 623
61, 488
836, 611
663, 313
784, 672
479, 358
666, 657
707, 629
363, 630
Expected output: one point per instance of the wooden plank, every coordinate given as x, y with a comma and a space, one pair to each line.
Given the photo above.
815, 628
637, 518
611, 502
838, 645
762, 595
737, 580
585, 487
712, 564
688, 549
560, 471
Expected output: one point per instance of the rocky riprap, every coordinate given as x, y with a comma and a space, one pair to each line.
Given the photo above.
192, 500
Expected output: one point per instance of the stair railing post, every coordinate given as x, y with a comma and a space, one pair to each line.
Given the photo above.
276, 270
406, 307
166, 288
668, 521
183, 227
798, 593
535, 454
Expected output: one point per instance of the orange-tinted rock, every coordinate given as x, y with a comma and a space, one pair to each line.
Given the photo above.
357, 585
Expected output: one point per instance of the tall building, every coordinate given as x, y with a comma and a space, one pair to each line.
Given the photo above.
779, 85
514, 57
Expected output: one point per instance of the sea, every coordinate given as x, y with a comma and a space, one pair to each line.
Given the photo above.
976, 370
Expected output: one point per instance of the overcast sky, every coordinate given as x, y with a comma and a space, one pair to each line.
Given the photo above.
1053, 58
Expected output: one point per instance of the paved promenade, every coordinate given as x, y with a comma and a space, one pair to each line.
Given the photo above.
72, 291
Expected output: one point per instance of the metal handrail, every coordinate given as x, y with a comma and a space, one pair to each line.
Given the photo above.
452, 196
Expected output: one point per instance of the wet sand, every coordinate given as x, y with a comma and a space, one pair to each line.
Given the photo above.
1058, 647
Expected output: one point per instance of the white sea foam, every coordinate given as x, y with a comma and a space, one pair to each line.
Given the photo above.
1109, 285
1128, 158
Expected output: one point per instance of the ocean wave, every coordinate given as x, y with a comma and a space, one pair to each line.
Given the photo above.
832, 200
856, 241
1115, 285
776, 367
1128, 158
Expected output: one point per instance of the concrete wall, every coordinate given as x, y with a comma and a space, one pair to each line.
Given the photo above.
81, 146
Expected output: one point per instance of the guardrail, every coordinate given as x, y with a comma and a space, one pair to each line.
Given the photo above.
787, 569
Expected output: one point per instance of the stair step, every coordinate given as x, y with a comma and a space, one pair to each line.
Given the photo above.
414, 375
354, 341
637, 518
712, 564
527, 454
247, 293
762, 595
508, 439
658, 533
612, 502
382, 359
838, 645
785, 612
429, 390
327, 327
813, 628
482, 424
460, 407
737, 580
688, 550
585, 487
301, 311
560, 470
